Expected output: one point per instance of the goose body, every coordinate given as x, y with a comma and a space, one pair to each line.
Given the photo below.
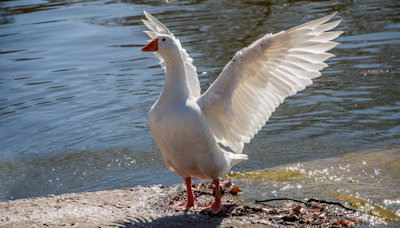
187, 145
187, 126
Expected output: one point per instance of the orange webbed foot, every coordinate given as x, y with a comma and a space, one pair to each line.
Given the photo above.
191, 201
214, 207
184, 206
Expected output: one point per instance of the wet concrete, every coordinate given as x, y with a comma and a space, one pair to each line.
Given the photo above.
149, 207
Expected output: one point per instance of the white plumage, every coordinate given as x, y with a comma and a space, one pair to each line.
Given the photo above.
187, 126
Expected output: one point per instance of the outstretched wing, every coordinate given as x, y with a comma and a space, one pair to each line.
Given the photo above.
156, 28
261, 76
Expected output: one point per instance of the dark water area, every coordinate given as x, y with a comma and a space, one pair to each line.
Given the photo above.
75, 92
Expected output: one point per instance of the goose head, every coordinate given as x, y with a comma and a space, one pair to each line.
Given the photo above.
163, 44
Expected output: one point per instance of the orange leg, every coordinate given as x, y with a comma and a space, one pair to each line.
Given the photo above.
215, 206
190, 198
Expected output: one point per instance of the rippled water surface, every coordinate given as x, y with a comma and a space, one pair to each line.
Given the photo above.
75, 91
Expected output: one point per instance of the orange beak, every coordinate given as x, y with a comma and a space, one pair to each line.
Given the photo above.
152, 46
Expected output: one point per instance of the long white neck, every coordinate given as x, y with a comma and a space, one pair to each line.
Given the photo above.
175, 87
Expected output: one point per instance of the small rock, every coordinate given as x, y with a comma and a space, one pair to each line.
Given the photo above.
51, 196
264, 221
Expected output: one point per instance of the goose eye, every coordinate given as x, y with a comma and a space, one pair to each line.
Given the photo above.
163, 39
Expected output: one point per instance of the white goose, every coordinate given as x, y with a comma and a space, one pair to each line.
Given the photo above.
187, 126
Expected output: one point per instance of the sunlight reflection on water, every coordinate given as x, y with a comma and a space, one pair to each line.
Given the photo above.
365, 176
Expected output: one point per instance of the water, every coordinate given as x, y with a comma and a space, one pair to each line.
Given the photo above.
75, 91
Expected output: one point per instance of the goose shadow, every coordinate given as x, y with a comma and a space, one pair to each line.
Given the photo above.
185, 219
180, 220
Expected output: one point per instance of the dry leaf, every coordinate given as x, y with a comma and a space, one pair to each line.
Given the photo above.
235, 190
298, 210
345, 223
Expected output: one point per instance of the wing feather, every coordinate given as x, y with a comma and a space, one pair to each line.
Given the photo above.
261, 76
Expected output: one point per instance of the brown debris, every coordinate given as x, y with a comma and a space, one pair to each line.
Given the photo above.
225, 184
